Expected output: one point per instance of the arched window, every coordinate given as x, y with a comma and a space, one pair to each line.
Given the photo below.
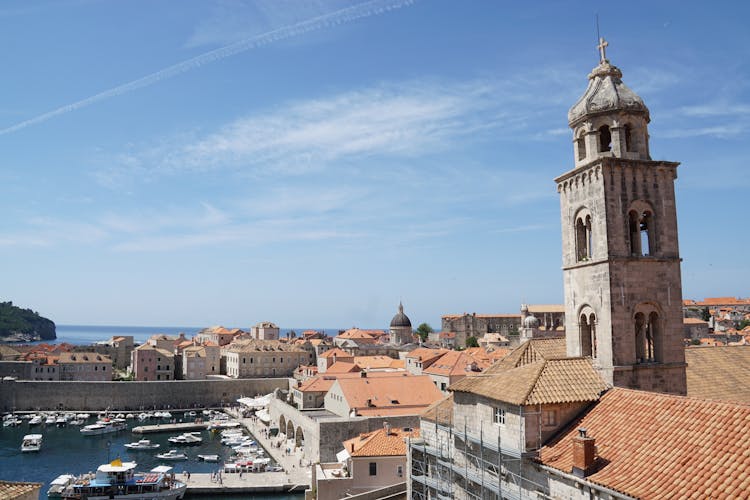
647, 334
646, 230
584, 239
581, 145
641, 231
587, 332
605, 139
627, 131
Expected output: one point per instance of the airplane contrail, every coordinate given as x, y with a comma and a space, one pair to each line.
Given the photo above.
341, 16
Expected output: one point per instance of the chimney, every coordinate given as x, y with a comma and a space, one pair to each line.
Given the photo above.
584, 454
363, 374
387, 428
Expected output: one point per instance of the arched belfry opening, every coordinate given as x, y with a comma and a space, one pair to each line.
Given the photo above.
605, 139
647, 336
581, 145
642, 232
583, 236
587, 332
627, 143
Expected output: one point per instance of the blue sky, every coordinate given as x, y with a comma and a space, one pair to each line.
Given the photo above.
314, 162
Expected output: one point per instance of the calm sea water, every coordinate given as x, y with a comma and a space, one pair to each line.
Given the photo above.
89, 334
66, 451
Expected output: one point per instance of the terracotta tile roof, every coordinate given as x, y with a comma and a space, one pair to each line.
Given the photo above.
447, 335
721, 301
425, 355
317, 384
373, 394
358, 333
452, 363
694, 321
720, 373
399, 364
9, 489
654, 445
379, 443
373, 362
440, 411
543, 382
339, 353
343, 367
83, 357
531, 351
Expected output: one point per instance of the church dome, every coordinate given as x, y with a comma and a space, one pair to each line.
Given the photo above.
400, 320
606, 93
530, 322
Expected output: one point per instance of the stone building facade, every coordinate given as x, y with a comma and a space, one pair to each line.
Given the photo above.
621, 259
264, 358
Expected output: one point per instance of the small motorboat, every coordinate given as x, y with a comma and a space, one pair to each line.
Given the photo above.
31, 442
188, 438
172, 455
143, 444
50, 420
35, 420
208, 458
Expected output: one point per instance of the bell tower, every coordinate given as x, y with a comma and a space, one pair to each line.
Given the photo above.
621, 261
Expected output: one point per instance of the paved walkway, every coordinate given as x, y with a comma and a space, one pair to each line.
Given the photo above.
294, 465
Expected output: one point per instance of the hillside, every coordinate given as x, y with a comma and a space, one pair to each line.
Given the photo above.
23, 325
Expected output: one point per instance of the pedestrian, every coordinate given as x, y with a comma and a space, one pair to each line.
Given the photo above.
188, 475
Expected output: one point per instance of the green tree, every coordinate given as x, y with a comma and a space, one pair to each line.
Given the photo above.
742, 324
423, 331
472, 342
705, 314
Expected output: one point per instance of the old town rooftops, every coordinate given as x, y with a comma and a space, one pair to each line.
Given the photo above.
253, 345
652, 445
531, 351
83, 357
551, 381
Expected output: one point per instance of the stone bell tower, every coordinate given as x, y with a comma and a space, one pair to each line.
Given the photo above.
621, 260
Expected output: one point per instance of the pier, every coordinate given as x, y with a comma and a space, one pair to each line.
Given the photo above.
245, 483
179, 427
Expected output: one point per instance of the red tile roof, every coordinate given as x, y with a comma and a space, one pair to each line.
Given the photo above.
379, 395
379, 443
339, 353
654, 445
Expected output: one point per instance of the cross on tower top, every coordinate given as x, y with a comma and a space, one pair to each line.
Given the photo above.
603, 44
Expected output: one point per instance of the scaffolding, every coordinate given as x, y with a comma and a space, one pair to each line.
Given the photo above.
459, 464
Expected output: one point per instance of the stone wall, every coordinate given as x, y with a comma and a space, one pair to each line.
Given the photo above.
44, 395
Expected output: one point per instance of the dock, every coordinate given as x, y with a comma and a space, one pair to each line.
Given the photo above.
246, 483
180, 427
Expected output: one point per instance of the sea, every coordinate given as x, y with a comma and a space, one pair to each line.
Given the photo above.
90, 334
66, 451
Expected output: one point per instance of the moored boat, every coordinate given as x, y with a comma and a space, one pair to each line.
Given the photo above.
188, 438
172, 455
208, 458
31, 442
119, 480
143, 444
104, 426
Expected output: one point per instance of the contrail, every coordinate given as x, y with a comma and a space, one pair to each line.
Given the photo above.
341, 16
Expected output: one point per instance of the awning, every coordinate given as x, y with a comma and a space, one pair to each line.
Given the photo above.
342, 456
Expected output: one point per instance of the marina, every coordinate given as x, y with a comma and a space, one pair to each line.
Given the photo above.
66, 451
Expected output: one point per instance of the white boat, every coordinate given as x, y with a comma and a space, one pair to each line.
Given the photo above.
208, 458
50, 420
142, 417
120, 481
104, 426
61, 421
129, 416
172, 455
35, 420
191, 414
143, 444
188, 438
31, 442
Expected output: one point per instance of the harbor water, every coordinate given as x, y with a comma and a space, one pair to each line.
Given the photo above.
66, 451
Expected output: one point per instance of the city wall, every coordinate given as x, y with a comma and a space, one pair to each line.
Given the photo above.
53, 395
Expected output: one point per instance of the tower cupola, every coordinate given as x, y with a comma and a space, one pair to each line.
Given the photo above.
609, 120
